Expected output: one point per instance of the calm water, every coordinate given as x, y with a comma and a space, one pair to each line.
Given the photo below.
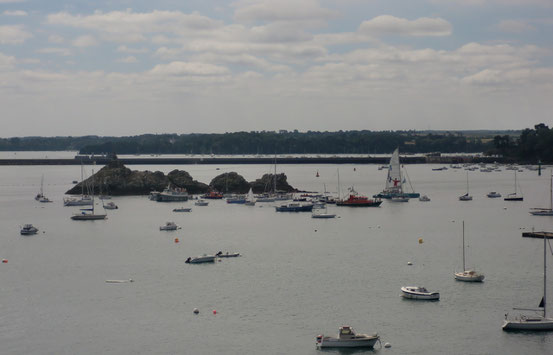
298, 277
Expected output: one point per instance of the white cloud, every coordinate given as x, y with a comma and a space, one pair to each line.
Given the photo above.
6, 62
125, 49
85, 41
55, 39
129, 59
189, 69
391, 25
309, 11
14, 13
514, 26
53, 50
13, 34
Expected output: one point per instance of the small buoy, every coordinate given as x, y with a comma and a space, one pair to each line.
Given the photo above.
387, 345
421, 241
315, 230
409, 263
214, 312
504, 208
5, 261
176, 240
196, 311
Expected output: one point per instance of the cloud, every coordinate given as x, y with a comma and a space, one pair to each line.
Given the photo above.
85, 41
6, 62
10, 1
281, 11
55, 39
542, 3
14, 13
189, 69
13, 34
125, 49
391, 25
514, 26
53, 50
129, 59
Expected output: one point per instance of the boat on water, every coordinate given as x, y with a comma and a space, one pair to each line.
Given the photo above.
200, 259
220, 254
322, 213
213, 195
295, 207
84, 200
347, 338
171, 194
169, 226
89, 214
237, 199
201, 203
356, 200
110, 206
28, 229
424, 198
493, 194
533, 322
396, 180
399, 198
515, 196
468, 275
182, 209
467, 196
419, 293
250, 199
545, 211
40, 196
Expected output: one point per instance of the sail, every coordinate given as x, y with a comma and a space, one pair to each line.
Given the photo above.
542, 303
250, 195
394, 181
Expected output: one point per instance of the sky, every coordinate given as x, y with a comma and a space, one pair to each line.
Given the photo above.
122, 67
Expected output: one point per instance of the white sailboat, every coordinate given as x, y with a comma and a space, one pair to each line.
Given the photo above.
85, 200
514, 196
523, 322
468, 275
466, 197
250, 199
545, 211
40, 196
395, 181
87, 214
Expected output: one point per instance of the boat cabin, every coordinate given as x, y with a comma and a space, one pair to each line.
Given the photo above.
346, 332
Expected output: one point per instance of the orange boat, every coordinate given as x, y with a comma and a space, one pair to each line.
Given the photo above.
355, 200
213, 195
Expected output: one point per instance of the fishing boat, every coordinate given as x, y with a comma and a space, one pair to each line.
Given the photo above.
356, 200
419, 293
169, 226
295, 207
534, 322
545, 211
28, 229
200, 259
466, 197
172, 194
468, 275
347, 338
493, 194
88, 214
395, 181
514, 196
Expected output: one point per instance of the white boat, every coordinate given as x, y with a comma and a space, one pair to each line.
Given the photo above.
28, 229
468, 275
514, 196
88, 214
424, 198
169, 226
84, 200
201, 203
399, 199
545, 211
170, 194
201, 259
220, 254
395, 181
250, 199
419, 293
347, 338
40, 196
110, 206
322, 213
466, 197
493, 194
182, 209
537, 322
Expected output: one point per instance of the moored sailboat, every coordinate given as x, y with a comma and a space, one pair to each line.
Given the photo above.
395, 181
545, 211
468, 275
88, 214
514, 196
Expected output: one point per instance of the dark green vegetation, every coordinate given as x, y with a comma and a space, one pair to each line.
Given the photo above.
532, 146
266, 142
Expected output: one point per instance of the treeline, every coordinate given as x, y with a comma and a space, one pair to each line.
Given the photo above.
532, 146
268, 142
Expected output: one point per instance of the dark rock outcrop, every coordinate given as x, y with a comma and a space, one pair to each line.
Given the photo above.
230, 182
265, 184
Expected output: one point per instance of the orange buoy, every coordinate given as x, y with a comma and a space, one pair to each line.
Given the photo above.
176, 240
5, 261
214, 312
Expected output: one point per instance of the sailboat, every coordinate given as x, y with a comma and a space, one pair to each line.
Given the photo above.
87, 214
523, 322
85, 200
395, 181
250, 200
40, 196
514, 196
466, 197
468, 275
545, 211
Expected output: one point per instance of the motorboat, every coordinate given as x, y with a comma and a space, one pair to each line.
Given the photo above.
111, 206
493, 194
419, 293
468, 275
182, 209
534, 322
201, 259
295, 207
28, 229
347, 338
201, 203
170, 194
356, 200
424, 198
220, 254
169, 226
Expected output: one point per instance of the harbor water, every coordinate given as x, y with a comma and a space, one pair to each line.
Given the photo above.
297, 277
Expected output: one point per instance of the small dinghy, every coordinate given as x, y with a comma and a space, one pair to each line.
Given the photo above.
227, 255
201, 259
347, 339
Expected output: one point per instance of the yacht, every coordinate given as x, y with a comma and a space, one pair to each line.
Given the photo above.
170, 194
28, 229
419, 293
347, 338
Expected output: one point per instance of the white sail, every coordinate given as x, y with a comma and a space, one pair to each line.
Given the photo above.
393, 181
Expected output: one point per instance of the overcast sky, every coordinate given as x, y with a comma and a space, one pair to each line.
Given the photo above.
116, 67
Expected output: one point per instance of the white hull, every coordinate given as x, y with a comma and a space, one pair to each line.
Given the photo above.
323, 215
408, 292
537, 323
201, 259
468, 277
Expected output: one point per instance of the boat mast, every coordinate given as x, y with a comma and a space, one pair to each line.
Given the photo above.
464, 246
275, 182
544, 275
338, 172
467, 183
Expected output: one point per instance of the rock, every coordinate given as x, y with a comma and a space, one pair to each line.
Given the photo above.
265, 184
230, 182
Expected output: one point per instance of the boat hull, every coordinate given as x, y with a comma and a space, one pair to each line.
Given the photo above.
88, 217
534, 324
428, 296
306, 208
542, 213
404, 194
201, 259
331, 342
359, 204
469, 278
